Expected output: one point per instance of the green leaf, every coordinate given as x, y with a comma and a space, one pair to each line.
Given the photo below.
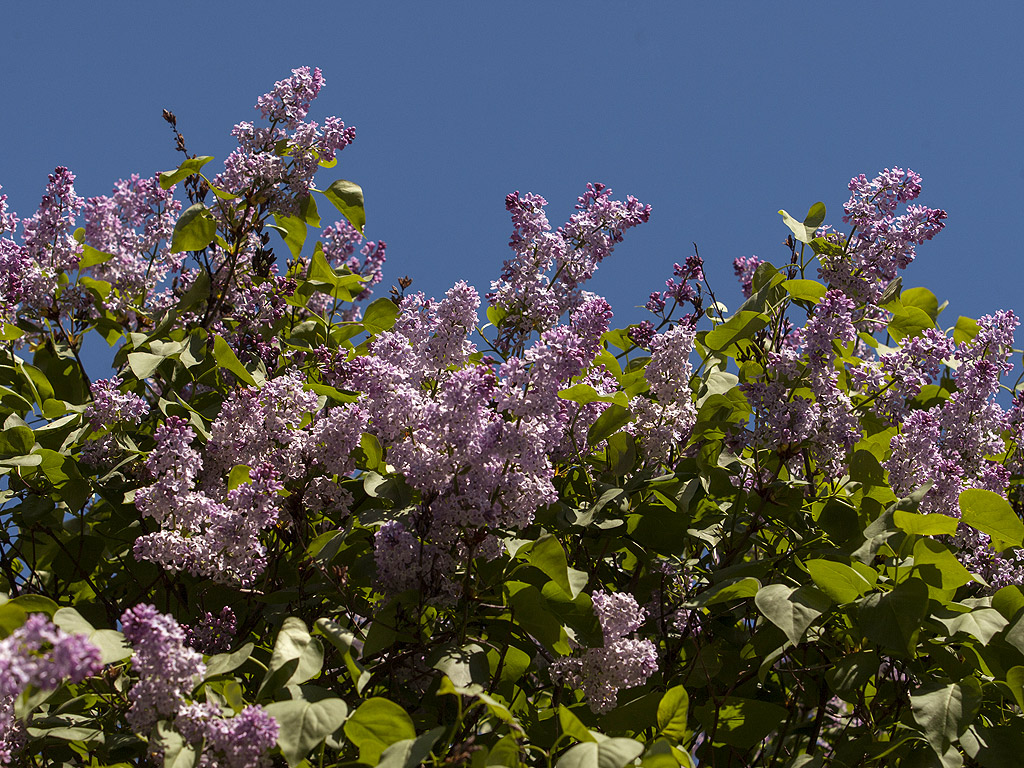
222, 663
945, 711
815, 215
990, 513
740, 326
929, 553
923, 299
610, 753
547, 555
17, 441
464, 666
293, 231
143, 364
308, 211
226, 358
740, 722
572, 726
893, 619
375, 726
804, 230
672, 713
732, 589
805, 290
347, 197
110, 642
296, 658
791, 610
908, 322
304, 724
924, 525
380, 316
965, 330
91, 257
240, 475
614, 418
36, 604
410, 753
194, 229
191, 166
839, 581
982, 623
584, 393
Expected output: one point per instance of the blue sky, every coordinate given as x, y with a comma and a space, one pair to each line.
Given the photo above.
717, 114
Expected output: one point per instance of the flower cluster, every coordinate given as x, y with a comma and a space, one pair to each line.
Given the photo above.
41, 655
531, 298
622, 662
950, 445
213, 634
682, 288
260, 169
167, 671
881, 243
110, 406
744, 268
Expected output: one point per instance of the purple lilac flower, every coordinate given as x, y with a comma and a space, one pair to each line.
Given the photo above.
48, 241
167, 669
135, 224
623, 662
532, 299
198, 533
111, 406
257, 167
41, 655
950, 444
242, 741
212, 634
882, 243
744, 268
642, 334
664, 423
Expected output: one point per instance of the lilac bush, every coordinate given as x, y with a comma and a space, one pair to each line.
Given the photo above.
298, 523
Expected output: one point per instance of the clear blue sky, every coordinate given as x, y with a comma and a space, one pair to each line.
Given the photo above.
717, 114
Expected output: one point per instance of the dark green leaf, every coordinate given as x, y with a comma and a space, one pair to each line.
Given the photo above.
347, 197
990, 513
304, 724
191, 166
614, 418
375, 726
791, 610
380, 316
893, 619
610, 753
194, 229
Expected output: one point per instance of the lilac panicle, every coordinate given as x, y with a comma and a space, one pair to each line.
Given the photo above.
622, 662
110, 406
242, 741
167, 669
41, 655
534, 300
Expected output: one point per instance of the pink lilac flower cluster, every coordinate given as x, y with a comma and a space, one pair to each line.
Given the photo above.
340, 241
111, 406
951, 445
664, 422
167, 671
48, 248
474, 442
258, 168
682, 288
744, 268
533, 299
134, 224
800, 400
38, 654
199, 534
212, 634
882, 243
897, 377
622, 662
241, 741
